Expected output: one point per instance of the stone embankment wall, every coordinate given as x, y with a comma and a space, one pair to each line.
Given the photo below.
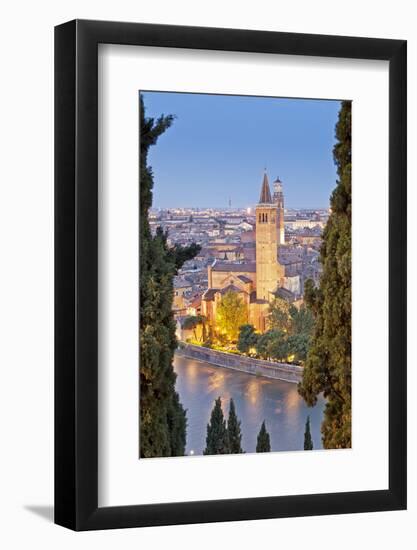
257, 367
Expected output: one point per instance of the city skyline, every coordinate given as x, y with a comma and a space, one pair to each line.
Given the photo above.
237, 208
198, 166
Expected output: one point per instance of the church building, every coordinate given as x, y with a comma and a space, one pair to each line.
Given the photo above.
257, 282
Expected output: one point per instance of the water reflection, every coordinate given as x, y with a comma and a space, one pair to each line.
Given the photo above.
216, 382
256, 399
253, 392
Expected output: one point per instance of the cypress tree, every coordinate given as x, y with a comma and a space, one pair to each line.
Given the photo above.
308, 441
234, 433
216, 440
328, 365
162, 417
263, 444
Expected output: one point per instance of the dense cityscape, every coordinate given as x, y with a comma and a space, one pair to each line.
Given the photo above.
227, 236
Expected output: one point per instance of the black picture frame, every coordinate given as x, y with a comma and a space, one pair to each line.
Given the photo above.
76, 272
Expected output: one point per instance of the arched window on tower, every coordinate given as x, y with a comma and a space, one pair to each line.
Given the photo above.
266, 218
259, 218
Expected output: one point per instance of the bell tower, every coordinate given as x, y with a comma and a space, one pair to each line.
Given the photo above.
266, 243
279, 201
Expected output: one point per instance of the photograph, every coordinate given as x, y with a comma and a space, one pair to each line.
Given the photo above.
208, 275
245, 275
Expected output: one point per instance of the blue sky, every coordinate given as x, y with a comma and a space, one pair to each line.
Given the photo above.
219, 145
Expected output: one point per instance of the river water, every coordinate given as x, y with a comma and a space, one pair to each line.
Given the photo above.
256, 399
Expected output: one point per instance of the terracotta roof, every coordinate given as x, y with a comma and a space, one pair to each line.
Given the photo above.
231, 288
208, 296
265, 197
248, 267
181, 283
196, 302
285, 294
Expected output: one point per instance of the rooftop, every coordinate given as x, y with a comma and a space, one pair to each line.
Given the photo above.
248, 267
181, 283
285, 294
209, 294
244, 279
231, 288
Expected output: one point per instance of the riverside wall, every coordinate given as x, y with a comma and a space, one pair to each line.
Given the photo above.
257, 367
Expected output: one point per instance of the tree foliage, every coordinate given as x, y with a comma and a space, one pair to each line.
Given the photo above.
217, 442
298, 346
247, 338
289, 335
263, 444
328, 365
231, 315
308, 441
279, 315
192, 322
273, 345
234, 434
302, 320
162, 417
290, 342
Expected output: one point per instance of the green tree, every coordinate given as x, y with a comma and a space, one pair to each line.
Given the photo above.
302, 320
272, 345
234, 433
263, 444
308, 441
202, 320
302, 325
231, 315
262, 344
191, 322
279, 315
328, 366
177, 426
277, 345
298, 346
217, 440
162, 417
247, 338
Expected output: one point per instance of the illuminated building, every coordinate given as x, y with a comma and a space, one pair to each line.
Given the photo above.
257, 282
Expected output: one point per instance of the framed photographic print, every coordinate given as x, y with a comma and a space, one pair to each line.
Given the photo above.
230, 247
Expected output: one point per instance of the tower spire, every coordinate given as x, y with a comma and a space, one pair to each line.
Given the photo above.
265, 197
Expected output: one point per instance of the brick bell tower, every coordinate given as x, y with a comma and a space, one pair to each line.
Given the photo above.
266, 243
278, 199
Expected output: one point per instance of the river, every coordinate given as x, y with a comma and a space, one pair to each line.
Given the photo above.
256, 399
